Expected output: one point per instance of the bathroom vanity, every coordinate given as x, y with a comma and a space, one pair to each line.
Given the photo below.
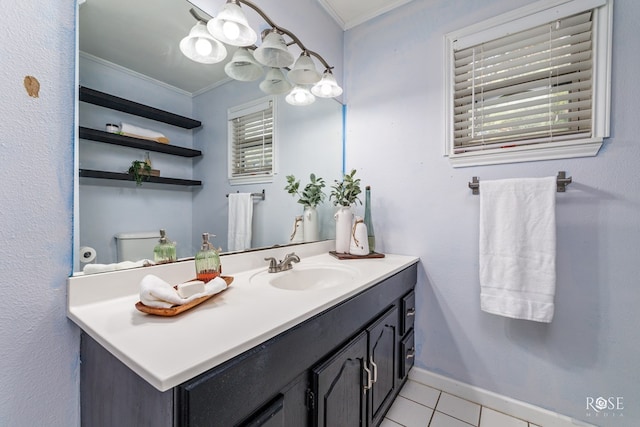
256, 355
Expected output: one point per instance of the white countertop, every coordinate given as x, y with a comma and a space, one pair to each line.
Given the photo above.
167, 351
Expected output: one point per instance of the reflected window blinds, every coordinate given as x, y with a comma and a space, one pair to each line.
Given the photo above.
251, 141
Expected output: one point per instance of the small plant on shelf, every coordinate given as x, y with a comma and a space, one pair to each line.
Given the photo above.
345, 192
140, 171
311, 195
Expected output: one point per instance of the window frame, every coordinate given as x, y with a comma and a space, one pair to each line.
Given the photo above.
522, 19
242, 110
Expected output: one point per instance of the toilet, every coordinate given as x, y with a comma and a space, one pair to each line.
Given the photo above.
136, 246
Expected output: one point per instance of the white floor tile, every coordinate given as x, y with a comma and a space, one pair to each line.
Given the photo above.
388, 423
420, 393
443, 420
409, 413
491, 418
461, 409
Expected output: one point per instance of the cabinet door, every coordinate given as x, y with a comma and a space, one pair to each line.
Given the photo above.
339, 386
383, 364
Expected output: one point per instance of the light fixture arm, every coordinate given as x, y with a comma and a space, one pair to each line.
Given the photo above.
295, 39
196, 16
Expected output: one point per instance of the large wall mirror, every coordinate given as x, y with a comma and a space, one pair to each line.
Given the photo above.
120, 55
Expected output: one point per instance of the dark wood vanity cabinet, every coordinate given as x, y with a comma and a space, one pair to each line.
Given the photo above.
357, 385
342, 367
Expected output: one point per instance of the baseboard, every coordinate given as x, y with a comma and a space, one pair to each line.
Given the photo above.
500, 403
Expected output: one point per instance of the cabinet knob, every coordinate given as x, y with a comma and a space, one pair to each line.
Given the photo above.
411, 353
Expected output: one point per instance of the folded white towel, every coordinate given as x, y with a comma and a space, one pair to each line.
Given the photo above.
240, 220
138, 132
123, 265
518, 247
155, 292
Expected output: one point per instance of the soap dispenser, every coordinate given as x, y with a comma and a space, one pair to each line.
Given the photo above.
207, 260
165, 251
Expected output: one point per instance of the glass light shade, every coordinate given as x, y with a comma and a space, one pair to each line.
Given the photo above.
230, 26
304, 71
201, 47
273, 51
300, 95
275, 83
243, 66
327, 87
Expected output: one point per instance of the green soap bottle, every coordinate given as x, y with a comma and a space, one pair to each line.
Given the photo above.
165, 251
207, 260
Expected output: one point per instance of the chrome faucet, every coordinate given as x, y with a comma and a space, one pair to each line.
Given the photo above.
283, 265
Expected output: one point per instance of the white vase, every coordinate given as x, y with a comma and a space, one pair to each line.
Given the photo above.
310, 224
359, 240
297, 233
344, 219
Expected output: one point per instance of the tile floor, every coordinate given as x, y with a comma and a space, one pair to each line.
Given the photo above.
418, 405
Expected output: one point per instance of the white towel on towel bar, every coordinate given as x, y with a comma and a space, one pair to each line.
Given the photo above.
240, 220
518, 248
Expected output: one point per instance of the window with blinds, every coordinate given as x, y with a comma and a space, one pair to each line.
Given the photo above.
251, 142
530, 89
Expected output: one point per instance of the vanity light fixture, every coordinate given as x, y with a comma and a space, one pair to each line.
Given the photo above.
201, 47
230, 26
243, 66
304, 71
275, 82
273, 51
327, 87
300, 95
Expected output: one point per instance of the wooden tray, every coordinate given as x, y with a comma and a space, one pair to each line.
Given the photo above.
177, 309
349, 256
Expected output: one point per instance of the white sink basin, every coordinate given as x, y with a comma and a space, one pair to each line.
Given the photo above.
308, 277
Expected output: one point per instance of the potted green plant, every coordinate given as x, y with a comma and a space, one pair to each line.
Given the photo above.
140, 171
344, 194
310, 197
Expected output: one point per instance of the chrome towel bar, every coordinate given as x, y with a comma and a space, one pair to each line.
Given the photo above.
260, 195
562, 181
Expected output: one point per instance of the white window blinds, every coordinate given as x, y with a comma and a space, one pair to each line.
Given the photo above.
251, 141
531, 84
529, 87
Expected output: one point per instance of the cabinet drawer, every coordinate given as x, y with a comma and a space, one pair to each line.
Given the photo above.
407, 354
408, 312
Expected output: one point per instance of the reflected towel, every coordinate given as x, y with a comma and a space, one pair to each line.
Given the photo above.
155, 292
518, 248
240, 219
123, 265
138, 132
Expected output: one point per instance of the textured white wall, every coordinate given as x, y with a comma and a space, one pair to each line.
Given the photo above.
422, 206
38, 345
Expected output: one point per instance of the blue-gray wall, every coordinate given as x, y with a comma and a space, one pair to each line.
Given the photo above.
422, 206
